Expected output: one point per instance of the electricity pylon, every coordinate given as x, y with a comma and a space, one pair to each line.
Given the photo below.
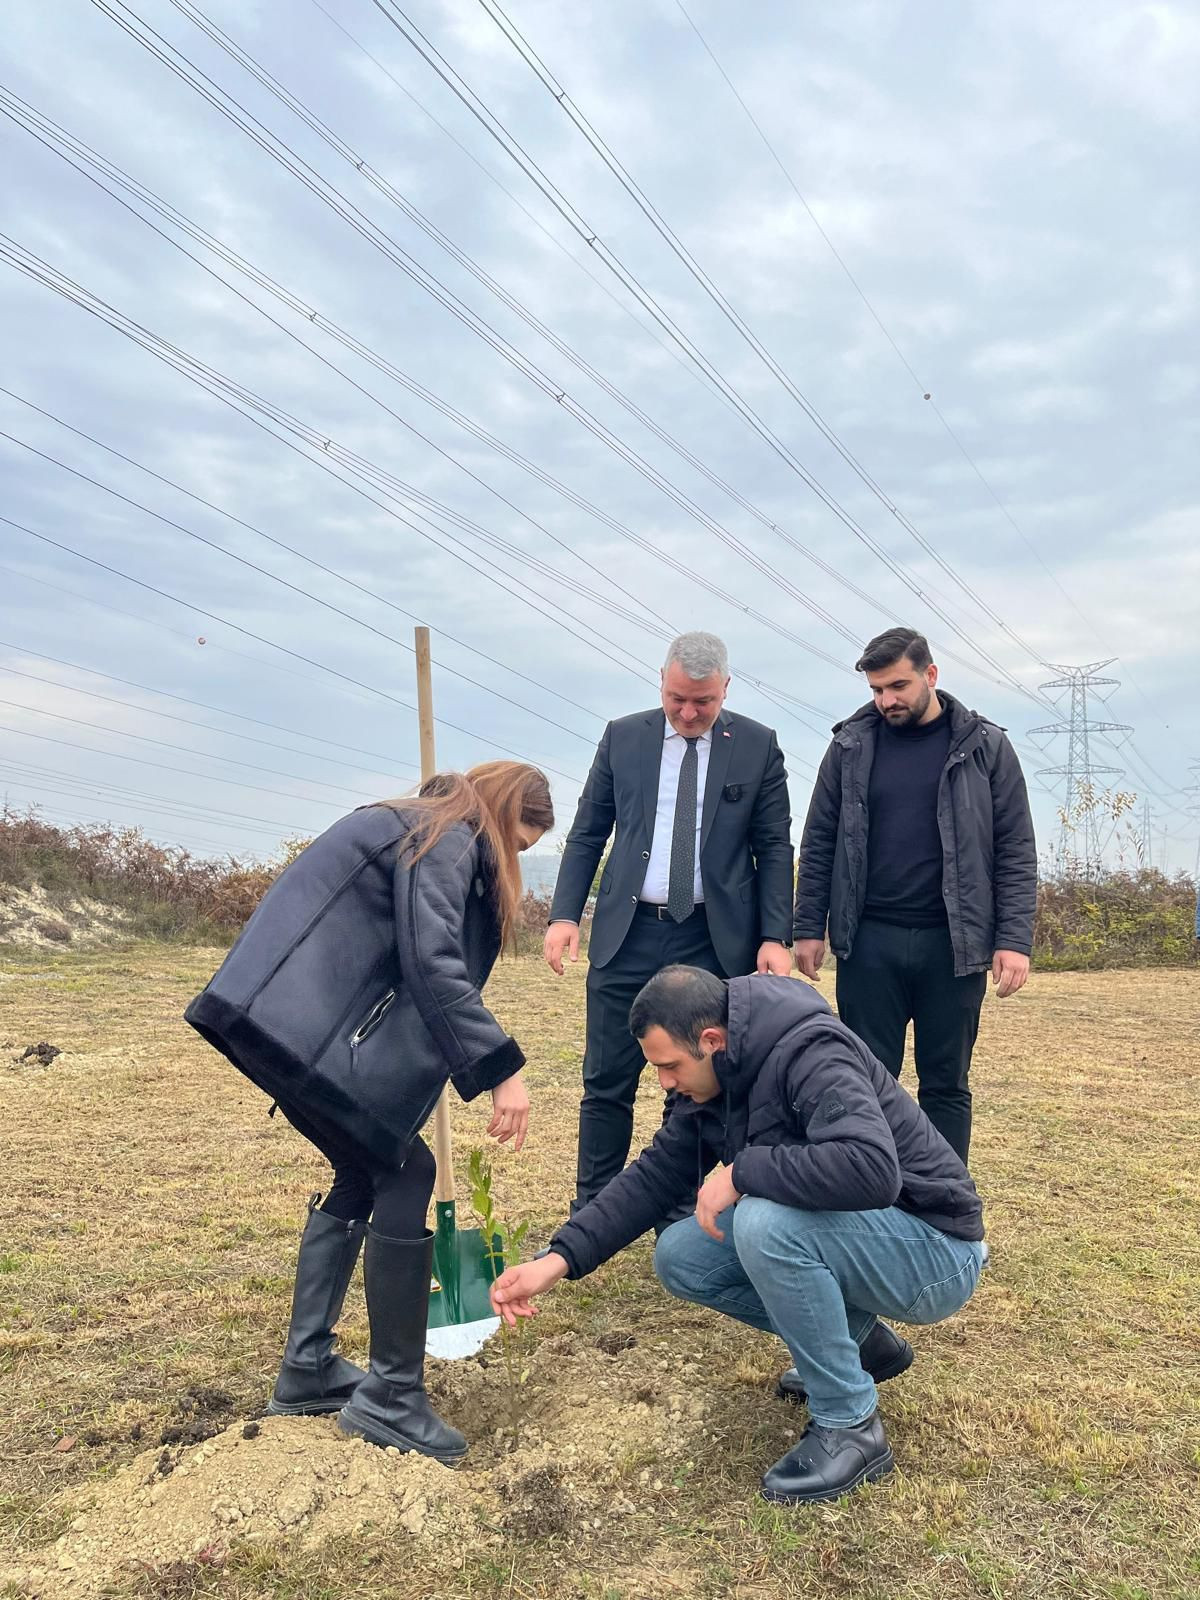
1079, 772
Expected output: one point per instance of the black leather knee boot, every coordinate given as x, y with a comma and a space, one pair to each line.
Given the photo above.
313, 1380
390, 1406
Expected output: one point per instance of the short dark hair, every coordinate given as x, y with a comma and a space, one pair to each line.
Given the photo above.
892, 646
683, 1001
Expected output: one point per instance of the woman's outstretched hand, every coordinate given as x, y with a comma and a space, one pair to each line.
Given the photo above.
510, 1111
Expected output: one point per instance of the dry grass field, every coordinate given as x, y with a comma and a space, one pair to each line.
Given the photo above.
1048, 1438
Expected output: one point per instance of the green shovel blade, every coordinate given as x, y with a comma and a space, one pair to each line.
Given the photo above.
463, 1271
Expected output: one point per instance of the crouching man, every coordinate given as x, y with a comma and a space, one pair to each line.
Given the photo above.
837, 1203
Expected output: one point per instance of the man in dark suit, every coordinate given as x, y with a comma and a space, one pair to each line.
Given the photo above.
700, 874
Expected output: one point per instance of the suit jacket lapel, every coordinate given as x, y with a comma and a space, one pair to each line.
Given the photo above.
652, 748
719, 754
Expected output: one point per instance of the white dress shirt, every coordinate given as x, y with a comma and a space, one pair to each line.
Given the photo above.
658, 872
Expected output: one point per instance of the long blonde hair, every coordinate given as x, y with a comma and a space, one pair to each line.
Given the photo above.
493, 799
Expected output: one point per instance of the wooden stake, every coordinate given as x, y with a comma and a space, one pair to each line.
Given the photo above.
425, 702
443, 1188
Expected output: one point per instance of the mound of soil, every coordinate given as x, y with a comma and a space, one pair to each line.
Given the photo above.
256, 1482
589, 1421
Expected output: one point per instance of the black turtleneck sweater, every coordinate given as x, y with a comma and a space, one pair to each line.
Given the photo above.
904, 847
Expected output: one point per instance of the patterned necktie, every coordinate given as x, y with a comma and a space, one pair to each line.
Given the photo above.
681, 883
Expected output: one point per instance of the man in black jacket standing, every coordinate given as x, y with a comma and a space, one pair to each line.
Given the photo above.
838, 1202
918, 852
700, 872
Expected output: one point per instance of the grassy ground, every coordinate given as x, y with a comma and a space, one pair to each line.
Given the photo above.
1048, 1437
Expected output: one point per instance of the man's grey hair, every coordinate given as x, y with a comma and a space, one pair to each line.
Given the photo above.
699, 654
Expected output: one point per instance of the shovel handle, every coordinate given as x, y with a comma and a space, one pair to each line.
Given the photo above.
443, 1186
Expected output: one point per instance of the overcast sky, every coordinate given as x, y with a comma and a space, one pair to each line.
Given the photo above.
1011, 188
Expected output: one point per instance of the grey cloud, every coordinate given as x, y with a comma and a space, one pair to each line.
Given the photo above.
1030, 255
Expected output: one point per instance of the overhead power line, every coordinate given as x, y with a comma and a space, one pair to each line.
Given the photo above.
201, 848
764, 570
230, 108
143, 761
194, 258
496, 129
203, 705
681, 252
924, 389
185, 749
295, 588
56, 139
250, 634
622, 306
175, 807
208, 777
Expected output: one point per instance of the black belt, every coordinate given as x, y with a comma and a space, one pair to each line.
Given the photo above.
646, 908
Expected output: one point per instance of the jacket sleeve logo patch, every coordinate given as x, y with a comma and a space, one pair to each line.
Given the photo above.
832, 1108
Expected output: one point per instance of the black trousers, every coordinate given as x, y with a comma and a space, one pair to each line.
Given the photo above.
895, 976
613, 1059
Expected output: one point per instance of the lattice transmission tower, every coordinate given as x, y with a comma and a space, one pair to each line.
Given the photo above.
1147, 833
1080, 775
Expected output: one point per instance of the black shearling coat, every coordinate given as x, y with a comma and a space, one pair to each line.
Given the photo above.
353, 992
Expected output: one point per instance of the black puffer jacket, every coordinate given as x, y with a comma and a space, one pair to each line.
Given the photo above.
989, 873
353, 992
807, 1117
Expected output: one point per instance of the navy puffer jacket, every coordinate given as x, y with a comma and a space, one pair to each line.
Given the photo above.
353, 992
807, 1117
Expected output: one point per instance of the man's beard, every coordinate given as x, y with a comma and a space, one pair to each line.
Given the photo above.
911, 714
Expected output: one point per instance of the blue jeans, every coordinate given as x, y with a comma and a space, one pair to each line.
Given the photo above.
819, 1279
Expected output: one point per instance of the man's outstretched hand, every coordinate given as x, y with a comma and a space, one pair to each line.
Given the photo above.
513, 1291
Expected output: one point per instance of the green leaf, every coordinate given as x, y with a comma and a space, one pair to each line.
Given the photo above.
479, 1171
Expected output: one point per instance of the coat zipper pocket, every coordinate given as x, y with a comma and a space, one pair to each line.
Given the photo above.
372, 1019
960, 761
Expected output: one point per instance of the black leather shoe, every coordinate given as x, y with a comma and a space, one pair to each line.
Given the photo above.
829, 1462
883, 1353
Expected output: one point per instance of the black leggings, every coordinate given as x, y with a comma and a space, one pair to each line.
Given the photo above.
396, 1199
